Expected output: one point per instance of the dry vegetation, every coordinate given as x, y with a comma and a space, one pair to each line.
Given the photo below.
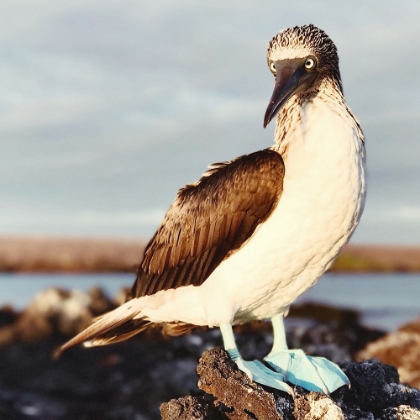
49, 254
378, 258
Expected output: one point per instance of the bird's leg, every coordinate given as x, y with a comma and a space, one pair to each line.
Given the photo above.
312, 373
279, 335
255, 370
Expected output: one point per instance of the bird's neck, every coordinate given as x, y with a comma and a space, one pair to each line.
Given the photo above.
297, 119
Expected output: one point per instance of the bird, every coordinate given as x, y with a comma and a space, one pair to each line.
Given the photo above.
254, 233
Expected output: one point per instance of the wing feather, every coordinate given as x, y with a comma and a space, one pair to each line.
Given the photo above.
209, 220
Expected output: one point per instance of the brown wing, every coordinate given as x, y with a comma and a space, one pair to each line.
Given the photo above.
209, 220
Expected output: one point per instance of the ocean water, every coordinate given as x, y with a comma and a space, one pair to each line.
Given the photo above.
385, 301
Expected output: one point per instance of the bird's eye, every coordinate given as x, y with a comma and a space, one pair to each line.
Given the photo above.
272, 67
310, 63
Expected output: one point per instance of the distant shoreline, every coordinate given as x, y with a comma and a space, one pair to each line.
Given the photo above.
112, 255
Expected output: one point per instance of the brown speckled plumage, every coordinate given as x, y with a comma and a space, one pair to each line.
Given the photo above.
323, 48
209, 220
317, 43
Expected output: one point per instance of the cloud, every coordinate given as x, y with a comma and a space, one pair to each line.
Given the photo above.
38, 220
399, 213
147, 218
45, 112
108, 107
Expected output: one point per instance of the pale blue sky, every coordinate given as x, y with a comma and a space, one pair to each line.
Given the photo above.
108, 107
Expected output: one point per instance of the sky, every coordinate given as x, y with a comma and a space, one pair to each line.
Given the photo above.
108, 107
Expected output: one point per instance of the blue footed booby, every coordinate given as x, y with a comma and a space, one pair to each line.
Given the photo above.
244, 241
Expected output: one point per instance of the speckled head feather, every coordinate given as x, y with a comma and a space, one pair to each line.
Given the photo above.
301, 41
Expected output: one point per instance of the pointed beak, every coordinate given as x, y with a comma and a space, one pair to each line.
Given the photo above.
291, 78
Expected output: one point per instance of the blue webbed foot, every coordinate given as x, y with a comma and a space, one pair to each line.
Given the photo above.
255, 370
259, 373
312, 373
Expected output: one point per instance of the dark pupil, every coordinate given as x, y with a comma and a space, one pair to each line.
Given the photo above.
309, 63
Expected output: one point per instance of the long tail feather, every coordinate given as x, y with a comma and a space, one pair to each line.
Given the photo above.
117, 325
120, 333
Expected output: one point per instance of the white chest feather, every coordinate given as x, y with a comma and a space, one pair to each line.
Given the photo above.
322, 201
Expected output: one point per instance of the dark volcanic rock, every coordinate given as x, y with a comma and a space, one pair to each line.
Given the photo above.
7, 315
130, 380
376, 393
191, 408
244, 399
403, 412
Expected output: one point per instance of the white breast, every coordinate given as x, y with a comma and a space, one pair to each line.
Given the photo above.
322, 201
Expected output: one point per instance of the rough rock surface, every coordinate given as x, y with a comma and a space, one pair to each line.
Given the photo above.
403, 412
220, 377
376, 393
401, 349
129, 381
188, 408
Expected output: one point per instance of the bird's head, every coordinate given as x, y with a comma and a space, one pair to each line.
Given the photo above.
300, 58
